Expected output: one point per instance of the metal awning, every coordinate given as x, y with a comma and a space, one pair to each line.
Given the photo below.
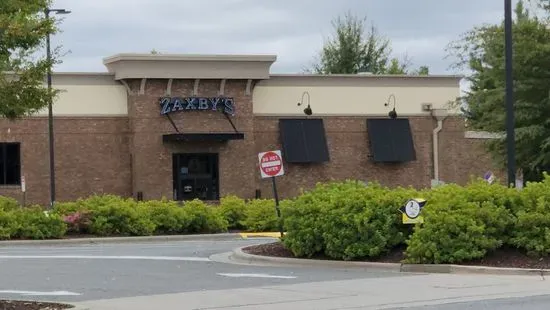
196, 137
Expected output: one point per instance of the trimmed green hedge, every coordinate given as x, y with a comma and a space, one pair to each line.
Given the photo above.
353, 220
347, 220
109, 215
30, 223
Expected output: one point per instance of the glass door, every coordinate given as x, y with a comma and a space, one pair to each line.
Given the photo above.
195, 176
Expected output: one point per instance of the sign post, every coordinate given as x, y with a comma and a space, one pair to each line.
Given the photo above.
24, 190
271, 166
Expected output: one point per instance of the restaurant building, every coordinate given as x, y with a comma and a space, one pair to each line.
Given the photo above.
191, 126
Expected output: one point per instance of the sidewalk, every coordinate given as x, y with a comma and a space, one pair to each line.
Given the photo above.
372, 293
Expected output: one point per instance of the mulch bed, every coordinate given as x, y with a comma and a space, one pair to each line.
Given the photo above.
31, 305
503, 257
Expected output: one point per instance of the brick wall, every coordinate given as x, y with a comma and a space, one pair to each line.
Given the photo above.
462, 158
350, 156
125, 155
91, 156
152, 159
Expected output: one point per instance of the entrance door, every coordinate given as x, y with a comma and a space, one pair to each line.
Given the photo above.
195, 176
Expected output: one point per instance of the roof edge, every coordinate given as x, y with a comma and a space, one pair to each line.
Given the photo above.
367, 76
189, 57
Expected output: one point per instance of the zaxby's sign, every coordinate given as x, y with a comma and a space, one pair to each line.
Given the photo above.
174, 104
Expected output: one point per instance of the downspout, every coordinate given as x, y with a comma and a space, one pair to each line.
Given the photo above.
439, 115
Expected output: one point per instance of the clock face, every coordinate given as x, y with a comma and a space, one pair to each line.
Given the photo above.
412, 209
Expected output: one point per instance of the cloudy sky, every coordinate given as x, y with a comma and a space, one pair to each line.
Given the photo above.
294, 30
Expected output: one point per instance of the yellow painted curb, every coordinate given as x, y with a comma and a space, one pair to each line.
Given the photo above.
260, 234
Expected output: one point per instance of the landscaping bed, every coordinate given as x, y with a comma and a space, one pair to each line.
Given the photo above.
474, 224
113, 216
31, 305
505, 257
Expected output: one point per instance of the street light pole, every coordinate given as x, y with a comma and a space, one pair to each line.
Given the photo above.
510, 133
50, 110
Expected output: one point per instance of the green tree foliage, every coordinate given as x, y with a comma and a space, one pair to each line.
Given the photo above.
23, 29
481, 51
423, 70
353, 50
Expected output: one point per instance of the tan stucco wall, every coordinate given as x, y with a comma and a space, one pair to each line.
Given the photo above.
364, 95
99, 94
88, 95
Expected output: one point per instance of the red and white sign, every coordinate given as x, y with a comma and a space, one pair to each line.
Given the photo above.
271, 164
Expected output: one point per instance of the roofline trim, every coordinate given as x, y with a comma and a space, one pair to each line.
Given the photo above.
189, 57
366, 76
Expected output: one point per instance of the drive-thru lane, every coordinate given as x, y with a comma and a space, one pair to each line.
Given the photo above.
103, 271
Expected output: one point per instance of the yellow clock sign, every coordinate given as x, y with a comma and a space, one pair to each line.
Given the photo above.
411, 211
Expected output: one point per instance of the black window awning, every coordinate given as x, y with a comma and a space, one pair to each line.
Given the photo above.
303, 140
391, 140
197, 137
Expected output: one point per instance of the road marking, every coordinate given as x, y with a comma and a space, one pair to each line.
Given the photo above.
171, 258
246, 235
255, 275
33, 293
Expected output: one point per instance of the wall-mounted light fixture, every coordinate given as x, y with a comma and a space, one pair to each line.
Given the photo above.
392, 114
307, 110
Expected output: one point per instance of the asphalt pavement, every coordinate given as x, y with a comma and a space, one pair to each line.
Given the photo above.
103, 271
188, 275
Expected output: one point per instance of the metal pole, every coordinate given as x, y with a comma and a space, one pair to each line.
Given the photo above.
510, 134
50, 121
277, 208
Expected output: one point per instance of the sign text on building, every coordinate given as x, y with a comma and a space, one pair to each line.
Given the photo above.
174, 104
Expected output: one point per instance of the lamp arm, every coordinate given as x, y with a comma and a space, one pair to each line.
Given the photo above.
388, 103
302, 101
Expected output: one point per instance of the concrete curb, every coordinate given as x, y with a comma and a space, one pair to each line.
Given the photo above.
462, 269
239, 255
198, 237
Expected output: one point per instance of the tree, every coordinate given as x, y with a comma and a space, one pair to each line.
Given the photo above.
481, 50
353, 50
423, 70
396, 67
23, 29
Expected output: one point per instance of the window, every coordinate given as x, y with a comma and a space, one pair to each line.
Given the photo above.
304, 140
391, 140
10, 165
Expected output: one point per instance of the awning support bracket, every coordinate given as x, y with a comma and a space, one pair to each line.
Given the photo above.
172, 122
231, 122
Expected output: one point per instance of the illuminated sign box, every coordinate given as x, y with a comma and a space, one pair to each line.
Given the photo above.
175, 104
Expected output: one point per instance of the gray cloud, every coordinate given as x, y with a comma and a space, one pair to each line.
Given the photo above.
293, 30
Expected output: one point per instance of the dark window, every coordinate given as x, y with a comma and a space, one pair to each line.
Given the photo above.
196, 176
391, 140
10, 165
303, 140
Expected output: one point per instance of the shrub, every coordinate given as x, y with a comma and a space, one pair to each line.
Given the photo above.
346, 220
168, 216
204, 218
67, 208
261, 215
462, 223
8, 225
8, 204
34, 223
233, 210
532, 229
123, 220
78, 222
